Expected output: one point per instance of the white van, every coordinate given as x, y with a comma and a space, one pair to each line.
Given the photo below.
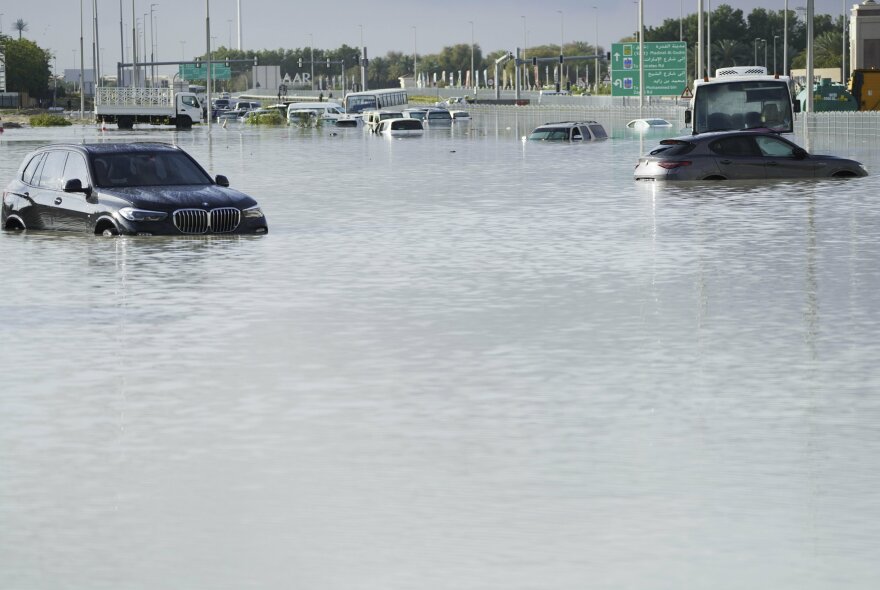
401, 127
329, 112
372, 117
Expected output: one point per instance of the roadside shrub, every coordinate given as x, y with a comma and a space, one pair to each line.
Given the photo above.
46, 120
265, 119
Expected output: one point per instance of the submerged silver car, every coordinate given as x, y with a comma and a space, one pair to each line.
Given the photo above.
568, 131
734, 155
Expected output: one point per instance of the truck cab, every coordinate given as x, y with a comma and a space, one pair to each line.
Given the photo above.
742, 98
187, 105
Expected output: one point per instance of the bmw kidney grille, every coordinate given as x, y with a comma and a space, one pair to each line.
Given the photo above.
199, 221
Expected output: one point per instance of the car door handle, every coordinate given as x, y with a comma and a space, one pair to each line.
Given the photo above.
726, 162
58, 201
773, 163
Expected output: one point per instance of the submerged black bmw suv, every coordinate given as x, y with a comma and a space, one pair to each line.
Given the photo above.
125, 188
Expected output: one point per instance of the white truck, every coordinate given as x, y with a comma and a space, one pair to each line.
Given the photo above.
744, 97
126, 106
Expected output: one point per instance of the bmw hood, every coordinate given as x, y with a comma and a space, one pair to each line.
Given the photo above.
208, 196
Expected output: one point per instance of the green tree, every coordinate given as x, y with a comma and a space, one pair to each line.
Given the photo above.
27, 67
20, 26
826, 52
729, 52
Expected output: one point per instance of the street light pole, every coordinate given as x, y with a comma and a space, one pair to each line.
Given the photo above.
152, 47
134, 45
561, 43
82, 66
312, 59
525, 68
596, 79
756, 49
144, 22
415, 57
708, 37
765, 53
473, 73
641, 55
208, 73
775, 37
785, 41
363, 55
843, 42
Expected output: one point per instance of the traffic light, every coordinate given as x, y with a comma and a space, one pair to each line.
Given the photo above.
198, 62
328, 62
561, 59
608, 55
300, 62
226, 63
255, 60
534, 61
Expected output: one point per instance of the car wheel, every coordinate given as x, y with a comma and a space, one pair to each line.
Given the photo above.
184, 122
110, 232
714, 177
125, 122
843, 174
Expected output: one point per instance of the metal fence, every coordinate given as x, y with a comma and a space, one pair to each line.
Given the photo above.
10, 100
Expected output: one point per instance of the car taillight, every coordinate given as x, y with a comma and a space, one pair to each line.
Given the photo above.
671, 164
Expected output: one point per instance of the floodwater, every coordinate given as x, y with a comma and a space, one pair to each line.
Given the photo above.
456, 361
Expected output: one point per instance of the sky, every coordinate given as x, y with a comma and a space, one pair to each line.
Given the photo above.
385, 25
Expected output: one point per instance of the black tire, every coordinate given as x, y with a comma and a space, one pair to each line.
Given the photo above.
183, 122
125, 122
110, 232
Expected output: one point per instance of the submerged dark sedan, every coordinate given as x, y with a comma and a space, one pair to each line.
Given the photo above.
125, 188
735, 155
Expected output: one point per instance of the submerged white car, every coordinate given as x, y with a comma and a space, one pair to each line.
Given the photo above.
400, 127
648, 123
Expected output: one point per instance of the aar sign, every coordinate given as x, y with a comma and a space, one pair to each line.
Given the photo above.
665, 66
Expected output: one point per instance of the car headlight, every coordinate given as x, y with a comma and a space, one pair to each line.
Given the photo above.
132, 214
252, 212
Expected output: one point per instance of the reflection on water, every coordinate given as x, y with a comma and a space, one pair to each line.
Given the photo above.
456, 360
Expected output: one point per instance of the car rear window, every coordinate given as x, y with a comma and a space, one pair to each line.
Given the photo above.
673, 147
598, 131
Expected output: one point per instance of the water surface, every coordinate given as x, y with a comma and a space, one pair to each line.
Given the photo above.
456, 361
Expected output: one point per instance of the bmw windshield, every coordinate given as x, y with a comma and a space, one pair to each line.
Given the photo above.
147, 169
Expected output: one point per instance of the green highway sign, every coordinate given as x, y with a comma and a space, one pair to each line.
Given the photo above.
665, 68
219, 71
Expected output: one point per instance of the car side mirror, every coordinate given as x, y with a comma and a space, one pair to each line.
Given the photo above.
74, 185
221, 180
796, 106
688, 117
800, 153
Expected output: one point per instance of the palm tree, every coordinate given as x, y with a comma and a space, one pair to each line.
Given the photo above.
826, 50
20, 26
728, 52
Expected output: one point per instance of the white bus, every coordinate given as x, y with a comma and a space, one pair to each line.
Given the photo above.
383, 99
